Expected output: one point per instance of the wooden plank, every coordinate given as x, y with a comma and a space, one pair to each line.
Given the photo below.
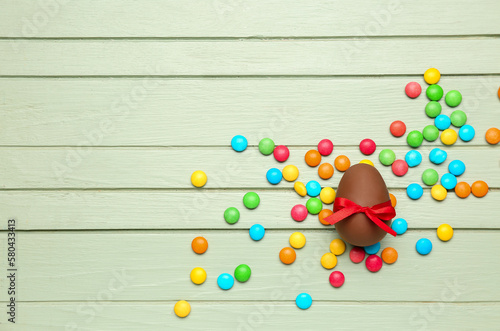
249, 57
241, 18
263, 315
74, 210
173, 112
81, 265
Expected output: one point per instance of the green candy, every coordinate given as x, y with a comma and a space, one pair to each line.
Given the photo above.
433, 109
458, 118
314, 206
414, 139
430, 133
453, 98
232, 215
430, 177
251, 200
242, 273
434, 92
266, 146
387, 157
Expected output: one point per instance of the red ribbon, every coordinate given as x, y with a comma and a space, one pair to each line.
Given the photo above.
344, 208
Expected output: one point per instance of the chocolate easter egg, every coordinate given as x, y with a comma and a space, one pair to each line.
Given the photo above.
363, 185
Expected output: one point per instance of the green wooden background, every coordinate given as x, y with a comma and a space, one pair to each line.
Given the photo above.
106, 108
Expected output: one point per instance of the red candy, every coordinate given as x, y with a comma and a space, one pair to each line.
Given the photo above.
373, 263
299, 213
399, 168
325, 147
413, 89
367, 146
398, 128
357, 254
337, 279
281, 153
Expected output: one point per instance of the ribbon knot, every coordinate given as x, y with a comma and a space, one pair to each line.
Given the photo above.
344, 208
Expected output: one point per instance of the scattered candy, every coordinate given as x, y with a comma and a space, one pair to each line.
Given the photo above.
387, 157
242, 273
336, 279
442, 122
466, 133
437, 156
438, 192
182, 308
434, 92
290, 173
313, 158
462, 190
456, 167
430, 177
397, 128
287, 255
367, 146
492, 136
257, 232
325, 171
373, 263
430, 132
399, 225
300, 188
357, 254
198, 178
199, 245
449, 181
327, 195
239, 143
432, 76
433, 109
313, 188
458, 118
415, 138
413, 89
314, 205
399, 168
445, 232
328, 260
337, 246
324, 214
303, 301
231, 215
372, 249
342, 163
281, 153
297, 240
266, 146
198, 275
367, 162
413, 158
394, 201
251, 200
479, 188
389, 255
225, 281
325, 147
423, 246
299, 213
274, 176
453, 98
414, 191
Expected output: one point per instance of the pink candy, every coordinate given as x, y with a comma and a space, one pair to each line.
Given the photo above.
337, 279
373, 263
367, 146
357, 254
399, 168
325, 147
299, 213
281, 153
413, 89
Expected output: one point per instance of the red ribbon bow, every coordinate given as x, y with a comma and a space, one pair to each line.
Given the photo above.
344, 208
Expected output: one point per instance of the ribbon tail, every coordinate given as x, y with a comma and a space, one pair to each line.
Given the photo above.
381, 224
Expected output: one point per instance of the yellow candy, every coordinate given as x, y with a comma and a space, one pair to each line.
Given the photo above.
182, 308
198, 275
445, 232
432, 76
449, 136
327, 195
290, 173
328, 260
438, 192
297, 240
300, 188
199, 178
337, 246
367, 162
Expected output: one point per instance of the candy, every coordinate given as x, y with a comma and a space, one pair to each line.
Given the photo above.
367, 162
462, 190
423, 246
458, 118
434, 92
239, 143
492, 136
198, 275
357, 254
336, 279
414, 191
297, 240
430, 132
314, 205
342, 163
242, 273
367, 146
313, 158
432, 76
325, 171
372, 249
256, 232
290, 173
328, 260
324, 214
373, 263
433, 109
466, 133
449, 181
325, 147
430, 177
442, 122
300, 188
437, 156
444, 232
389, 255
199, 245
413, 158
438, 192
337, 246
303, 301
415, 138
313, 188
453, 98
399, 168
387, 157
327, 195
413, 89
394, 201
449, 137
231, 215
479, 188
397, 128
299, 213
287, 255
198, 178
281, 153
225, 281
266, 146
251, 200
274, 176
182, 308
456, 167
399, 225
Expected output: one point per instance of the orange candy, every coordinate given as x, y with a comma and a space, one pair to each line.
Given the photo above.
394, 202
342, 163
325, 171
287, 255
492, 136
479, 188
313, 158
324, 214
199, 245
462, 190
389, 255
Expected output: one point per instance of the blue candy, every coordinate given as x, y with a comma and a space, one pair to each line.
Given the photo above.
442, 122
399, 225
466, 132
456, 167
257, 232
313, 188
423, 246
303, 301
274, 176
437, 156
414, 191
413, 158
239, 143
225, 281
449, 181
372, 249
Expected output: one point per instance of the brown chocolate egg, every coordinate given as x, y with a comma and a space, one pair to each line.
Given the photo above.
363, 185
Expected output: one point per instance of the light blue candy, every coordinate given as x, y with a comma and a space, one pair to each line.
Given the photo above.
466, 132
437, 156
274, 176
442, 122
372, 249
413, 158
423, 246
303, 301
225, 281
239, 143
456, 167
449, 181
313, 188
414, 191
257, 232
399, 225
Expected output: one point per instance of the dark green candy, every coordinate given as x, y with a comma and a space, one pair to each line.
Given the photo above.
242, 273
415, 139
434, 92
